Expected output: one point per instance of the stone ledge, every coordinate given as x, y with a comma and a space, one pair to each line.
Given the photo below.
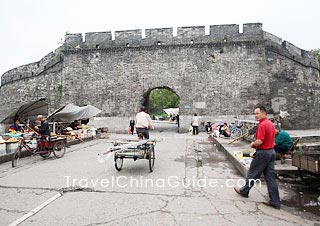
222, 145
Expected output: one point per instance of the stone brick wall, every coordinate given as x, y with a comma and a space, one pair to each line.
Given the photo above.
117, 80
221, 74
46, 85
295, 88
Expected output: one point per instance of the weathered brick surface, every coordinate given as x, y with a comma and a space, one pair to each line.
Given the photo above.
224, 73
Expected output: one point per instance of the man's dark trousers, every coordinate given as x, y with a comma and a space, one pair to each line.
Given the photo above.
263, 162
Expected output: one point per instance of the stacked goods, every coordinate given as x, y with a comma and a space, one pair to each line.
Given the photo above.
104, 133
12, 140
12, 131
7, 136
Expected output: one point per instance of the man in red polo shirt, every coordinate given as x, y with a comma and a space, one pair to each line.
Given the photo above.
263, 162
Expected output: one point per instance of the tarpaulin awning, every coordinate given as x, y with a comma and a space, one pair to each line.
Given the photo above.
72, 112
28, 111
174, 111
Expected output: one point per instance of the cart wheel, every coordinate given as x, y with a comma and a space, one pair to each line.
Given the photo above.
16, 156
236, 133
118, 163
43, 152
151, 155
59, 148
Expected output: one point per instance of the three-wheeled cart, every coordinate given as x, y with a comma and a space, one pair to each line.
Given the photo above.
143, 149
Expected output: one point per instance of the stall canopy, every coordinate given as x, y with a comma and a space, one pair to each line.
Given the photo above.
28, 111
71, 112
173, 111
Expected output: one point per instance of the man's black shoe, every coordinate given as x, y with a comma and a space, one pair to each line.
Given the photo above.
238, 191
271, 205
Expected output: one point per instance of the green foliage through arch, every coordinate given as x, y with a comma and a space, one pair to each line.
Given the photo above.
160, 99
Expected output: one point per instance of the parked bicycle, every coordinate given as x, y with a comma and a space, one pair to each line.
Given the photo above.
235, 130
45, 145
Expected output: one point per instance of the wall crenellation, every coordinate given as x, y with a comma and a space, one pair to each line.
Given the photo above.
291, 51
226, 30
32, 69
164, 36
189, 35
193, 35
191, 32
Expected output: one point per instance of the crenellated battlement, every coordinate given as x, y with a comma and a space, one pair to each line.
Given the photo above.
289, 50
164, 36
190, 35
225, 34
32, 69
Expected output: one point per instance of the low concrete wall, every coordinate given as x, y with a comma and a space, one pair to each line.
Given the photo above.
114, 124
232, 158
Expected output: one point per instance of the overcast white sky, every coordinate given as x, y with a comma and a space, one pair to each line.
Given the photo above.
30, 29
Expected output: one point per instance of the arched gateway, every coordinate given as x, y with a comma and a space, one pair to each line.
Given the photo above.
225, 73
145, 101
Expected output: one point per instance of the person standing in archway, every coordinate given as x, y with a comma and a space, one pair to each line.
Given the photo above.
195, 124
131, 124
143, 123
178, 118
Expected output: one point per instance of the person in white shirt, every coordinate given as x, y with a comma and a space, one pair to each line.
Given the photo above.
195, 124
143, 123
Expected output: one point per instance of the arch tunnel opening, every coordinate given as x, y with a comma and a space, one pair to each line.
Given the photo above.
158, 99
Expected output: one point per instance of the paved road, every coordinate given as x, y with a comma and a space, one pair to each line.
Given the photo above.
106, 197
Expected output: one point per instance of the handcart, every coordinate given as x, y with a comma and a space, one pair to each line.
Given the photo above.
143, 149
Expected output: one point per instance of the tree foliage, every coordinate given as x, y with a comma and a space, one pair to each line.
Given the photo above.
161, 99
317, 53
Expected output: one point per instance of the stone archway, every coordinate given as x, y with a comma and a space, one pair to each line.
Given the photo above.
146, 96
163, 95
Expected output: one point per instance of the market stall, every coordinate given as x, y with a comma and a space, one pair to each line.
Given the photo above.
26, 114
28, 111
72, 121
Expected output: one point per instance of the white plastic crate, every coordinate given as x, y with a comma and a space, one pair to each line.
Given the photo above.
3, 149
11, 147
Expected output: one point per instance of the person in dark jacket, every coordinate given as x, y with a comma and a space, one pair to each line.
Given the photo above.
16, 126
283, 141
44, 128
131, 125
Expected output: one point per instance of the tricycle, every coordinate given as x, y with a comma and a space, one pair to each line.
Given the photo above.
45, 145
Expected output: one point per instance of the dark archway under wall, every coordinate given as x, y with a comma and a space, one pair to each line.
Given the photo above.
146, 96
164, 125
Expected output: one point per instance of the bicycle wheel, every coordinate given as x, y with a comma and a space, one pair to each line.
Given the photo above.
43, 152
118, 163
151, 155
235, 133
59, 148
16, 156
